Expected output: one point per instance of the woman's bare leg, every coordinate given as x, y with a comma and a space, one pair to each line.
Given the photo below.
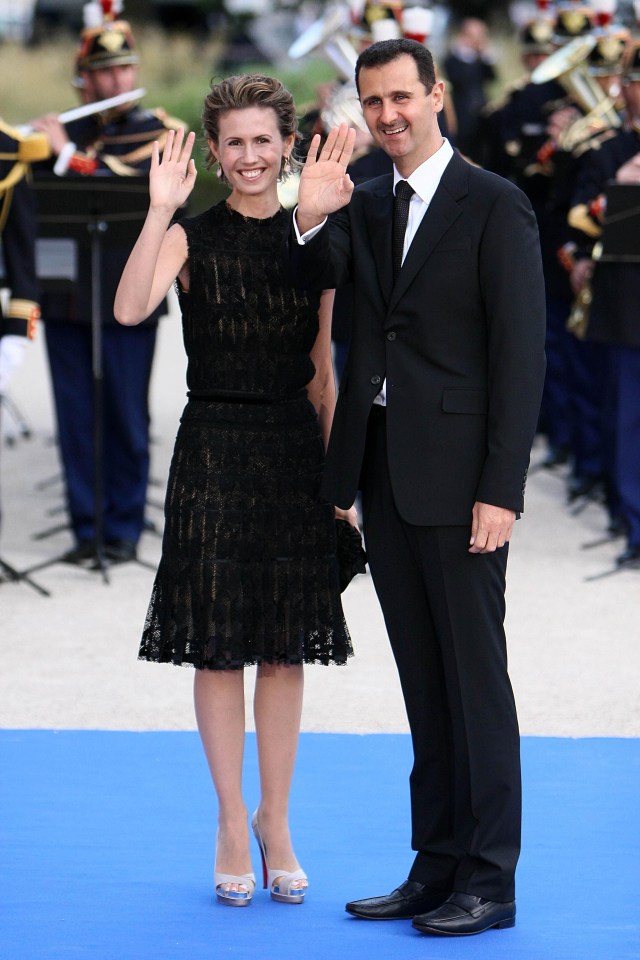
277, 712
220, 714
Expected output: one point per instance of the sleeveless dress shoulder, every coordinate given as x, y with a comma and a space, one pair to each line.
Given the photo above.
248, 572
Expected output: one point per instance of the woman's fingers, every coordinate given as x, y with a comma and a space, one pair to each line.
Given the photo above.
168, 146
188, 147
174, 152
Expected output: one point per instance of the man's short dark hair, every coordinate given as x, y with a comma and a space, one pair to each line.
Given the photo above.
385, 51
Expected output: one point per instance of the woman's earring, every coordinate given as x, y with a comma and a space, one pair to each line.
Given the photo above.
219, 173
285, 168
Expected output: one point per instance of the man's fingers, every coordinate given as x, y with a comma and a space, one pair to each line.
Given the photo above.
347, 148
330, 142
312, 152
338, 146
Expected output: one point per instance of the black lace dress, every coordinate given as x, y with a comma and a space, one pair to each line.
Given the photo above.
248, 572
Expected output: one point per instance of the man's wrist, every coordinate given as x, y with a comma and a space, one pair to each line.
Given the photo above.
305, 228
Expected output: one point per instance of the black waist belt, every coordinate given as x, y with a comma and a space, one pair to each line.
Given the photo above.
245, 397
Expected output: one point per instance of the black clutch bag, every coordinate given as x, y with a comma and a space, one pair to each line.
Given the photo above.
352, 558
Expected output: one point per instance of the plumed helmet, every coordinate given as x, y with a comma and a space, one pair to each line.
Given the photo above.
105, 40
572, 21
606, 57
536, 36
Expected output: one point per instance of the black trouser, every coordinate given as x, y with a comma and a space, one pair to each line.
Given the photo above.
444, 613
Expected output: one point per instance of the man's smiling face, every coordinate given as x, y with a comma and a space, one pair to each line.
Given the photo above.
401, 113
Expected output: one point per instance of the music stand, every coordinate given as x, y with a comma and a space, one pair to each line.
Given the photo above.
90, 210
9, 574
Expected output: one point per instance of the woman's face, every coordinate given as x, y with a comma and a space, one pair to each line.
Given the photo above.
250, 149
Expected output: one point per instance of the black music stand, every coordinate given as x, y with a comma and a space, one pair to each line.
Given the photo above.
90, 210
9, 574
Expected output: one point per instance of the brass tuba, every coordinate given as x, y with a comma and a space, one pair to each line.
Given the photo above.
567, 66
331, 33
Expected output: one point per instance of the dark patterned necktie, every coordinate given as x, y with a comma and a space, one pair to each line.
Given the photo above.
401, 201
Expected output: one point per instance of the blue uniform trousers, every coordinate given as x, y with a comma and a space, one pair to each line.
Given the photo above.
625, 389
127, 355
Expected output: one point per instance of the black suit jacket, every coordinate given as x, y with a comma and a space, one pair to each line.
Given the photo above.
459, 339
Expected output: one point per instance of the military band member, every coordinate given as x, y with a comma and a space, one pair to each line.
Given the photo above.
526, 126
17, 240
613, 314
116, 143
18, 233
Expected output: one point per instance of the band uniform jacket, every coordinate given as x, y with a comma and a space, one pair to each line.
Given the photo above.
614, 315
459, 340
18, 240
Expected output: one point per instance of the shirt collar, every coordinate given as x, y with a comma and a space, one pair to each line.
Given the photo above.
426, 177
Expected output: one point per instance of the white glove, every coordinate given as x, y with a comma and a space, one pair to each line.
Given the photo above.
12, 349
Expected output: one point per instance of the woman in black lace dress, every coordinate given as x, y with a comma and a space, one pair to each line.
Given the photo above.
248, 573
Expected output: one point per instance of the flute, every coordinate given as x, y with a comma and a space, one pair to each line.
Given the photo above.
88, 109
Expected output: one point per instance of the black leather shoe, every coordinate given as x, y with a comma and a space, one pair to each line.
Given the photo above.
555, 457
82, 555
462, 915
592, 488
409, 899
120, 551
630, 558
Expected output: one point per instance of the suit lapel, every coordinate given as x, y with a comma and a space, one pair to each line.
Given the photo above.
443, 210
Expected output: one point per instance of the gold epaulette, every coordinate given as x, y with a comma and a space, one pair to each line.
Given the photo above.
122, 166
30, 147
171, 123
580, 219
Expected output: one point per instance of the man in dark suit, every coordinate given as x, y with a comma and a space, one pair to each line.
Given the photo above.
436, 415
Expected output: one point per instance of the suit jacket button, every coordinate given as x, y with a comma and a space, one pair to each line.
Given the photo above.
376, 380
391, 335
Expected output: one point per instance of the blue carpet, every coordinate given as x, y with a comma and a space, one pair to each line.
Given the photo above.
106, 848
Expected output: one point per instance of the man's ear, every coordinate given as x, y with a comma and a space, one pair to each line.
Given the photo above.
438, 95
